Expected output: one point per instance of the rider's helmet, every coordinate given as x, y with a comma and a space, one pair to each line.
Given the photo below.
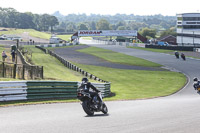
195, 79
84, 80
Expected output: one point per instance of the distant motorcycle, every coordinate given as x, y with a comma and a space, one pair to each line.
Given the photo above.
91, 105
183, 56
176, 54
196, 84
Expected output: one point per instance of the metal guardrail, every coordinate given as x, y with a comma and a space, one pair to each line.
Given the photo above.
51, 89
13, 90
32, 90
119, 43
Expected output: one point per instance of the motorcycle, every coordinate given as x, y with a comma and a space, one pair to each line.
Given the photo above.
183, 56
196, 84
91, 105
177, 55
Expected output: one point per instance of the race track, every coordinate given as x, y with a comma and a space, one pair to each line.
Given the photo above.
178, 113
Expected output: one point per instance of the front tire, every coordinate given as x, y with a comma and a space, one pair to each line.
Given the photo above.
104, 109
87, 109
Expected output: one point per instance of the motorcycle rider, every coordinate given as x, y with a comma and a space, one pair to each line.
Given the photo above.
197, 84
176, 54
86, 85
183, 56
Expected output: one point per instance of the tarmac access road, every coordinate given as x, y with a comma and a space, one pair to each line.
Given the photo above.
178, 113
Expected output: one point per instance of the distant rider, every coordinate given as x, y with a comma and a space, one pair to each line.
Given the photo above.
183, 56
176, 54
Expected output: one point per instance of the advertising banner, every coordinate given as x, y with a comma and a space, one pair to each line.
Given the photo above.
107, 33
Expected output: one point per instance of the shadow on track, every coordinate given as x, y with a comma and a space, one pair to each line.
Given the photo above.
98, 115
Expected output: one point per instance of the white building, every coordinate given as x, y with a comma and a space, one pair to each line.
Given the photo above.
188, 29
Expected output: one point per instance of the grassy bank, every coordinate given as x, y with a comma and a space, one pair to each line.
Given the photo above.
118, 57
65, 37
53, 69
33, 33
125, 84
134, 84
152, 49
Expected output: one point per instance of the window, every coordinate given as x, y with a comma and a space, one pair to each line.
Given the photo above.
179, 18
191, 26
190, 22
191, 18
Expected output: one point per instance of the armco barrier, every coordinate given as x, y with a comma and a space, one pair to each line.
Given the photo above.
13, 90
30, 90
51, 89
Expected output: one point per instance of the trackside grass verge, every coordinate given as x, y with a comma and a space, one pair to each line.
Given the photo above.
125, 84
135, 84
153, 50
118, 57
31, 32
163, 51
53, 69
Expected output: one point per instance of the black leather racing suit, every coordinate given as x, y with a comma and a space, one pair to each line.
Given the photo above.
86, 87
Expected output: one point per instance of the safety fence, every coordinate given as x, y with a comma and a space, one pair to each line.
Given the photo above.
181, 48
55, 45
36, 90
20, 71
119, 43
29, 71
70, 65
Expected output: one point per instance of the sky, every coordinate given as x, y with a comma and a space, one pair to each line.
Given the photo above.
104, 7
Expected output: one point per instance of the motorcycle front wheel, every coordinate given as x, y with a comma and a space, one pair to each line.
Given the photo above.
104, 109
87, 108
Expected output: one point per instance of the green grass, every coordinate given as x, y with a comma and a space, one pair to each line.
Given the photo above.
53, 69
1, 50
65, 37
126, 84
153, 50
38, 34
118, 57
31, 32
12, 31
134, 84
87, 38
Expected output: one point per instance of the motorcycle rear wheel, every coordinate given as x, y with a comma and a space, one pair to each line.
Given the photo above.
87, 109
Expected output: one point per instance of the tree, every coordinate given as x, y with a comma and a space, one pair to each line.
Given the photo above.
121, 28
71, 27
103, 24
53, 21
171, 31
146, 32
93, 25
25, 21
82, 27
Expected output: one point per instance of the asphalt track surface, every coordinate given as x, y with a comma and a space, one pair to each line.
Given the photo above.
71, 54
178, 113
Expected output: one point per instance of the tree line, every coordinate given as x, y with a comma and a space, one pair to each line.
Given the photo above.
10, 18
148, 26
